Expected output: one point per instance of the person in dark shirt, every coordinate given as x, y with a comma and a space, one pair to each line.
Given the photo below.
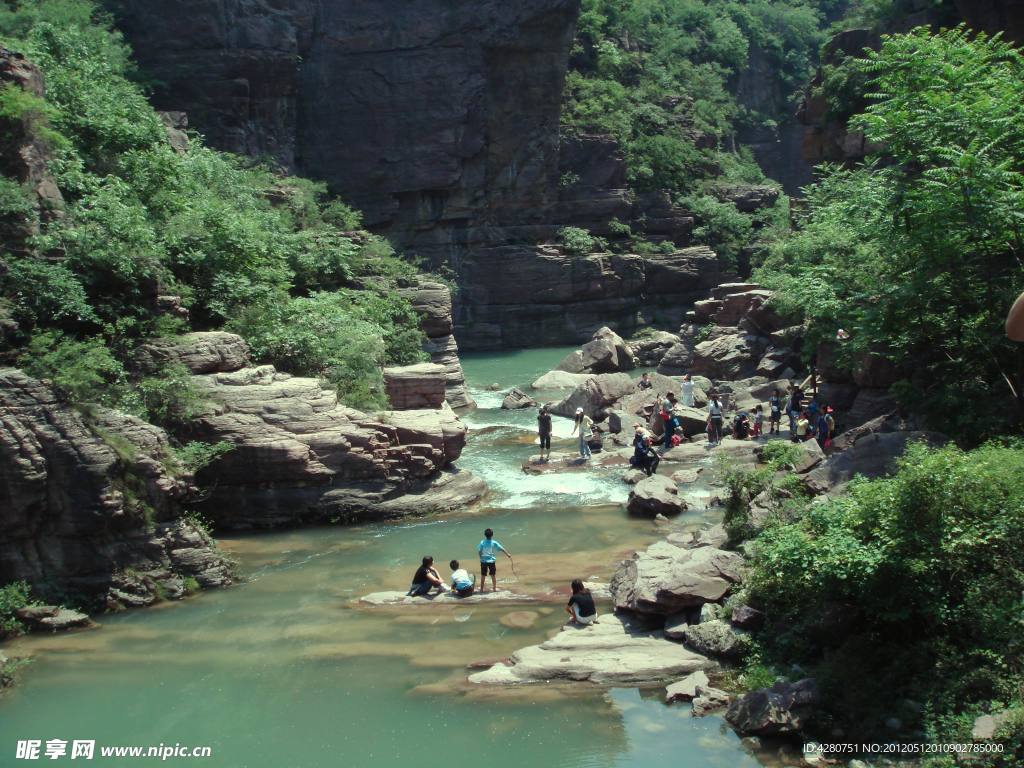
426, 579
581, 608
644, 456
544, 431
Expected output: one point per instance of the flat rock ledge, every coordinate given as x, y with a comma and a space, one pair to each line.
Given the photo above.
610, 652
445, 598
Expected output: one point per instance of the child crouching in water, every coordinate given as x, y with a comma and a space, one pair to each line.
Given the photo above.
758, 421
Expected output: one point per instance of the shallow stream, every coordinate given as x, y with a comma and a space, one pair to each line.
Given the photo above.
282, 671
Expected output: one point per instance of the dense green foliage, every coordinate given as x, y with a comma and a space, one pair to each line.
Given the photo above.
662, 77
907, 588
917, 254
12, 597
234, 240
777, 491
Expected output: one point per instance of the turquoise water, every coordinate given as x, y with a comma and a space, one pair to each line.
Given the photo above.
285, 671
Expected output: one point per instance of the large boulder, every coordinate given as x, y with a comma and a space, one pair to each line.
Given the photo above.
517, 399
595, 395
201, 352
714, 638
651, 347
561, 380
874, 455
606, 352
665, 578
869, 404
655, 495
612, 651
686, 689
90, 509
733, 356
782, 710
678, 359
415, 386
734, 307
301, 456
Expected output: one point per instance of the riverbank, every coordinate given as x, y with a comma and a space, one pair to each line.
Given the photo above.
281, 670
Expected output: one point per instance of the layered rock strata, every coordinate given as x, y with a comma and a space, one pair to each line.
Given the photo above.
612, 651
91, 509
299, 455
433, 303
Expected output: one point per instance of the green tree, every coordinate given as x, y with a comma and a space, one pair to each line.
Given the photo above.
917, 253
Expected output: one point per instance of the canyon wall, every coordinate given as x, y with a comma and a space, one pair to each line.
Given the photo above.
439, 120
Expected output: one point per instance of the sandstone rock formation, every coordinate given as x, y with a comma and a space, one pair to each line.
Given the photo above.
410, 387
650, 347
606, 352
459, 162
685, 689
93, 508
51, 618
301, 456
666, 578
433, 303
561, 380
612, 651
655, 495
517, 399
709, 700
443, 598
873, 455
203, 352
521, 296
595, 395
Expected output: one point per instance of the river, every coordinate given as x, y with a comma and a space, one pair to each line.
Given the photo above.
281, 671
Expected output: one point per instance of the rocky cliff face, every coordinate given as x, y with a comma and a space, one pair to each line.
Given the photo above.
439, 120
93, 511
425, 115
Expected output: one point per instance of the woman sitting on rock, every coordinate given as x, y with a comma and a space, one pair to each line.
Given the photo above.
426, 579
581, 608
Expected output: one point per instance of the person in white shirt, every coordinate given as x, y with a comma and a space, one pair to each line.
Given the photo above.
687, 391
462, 580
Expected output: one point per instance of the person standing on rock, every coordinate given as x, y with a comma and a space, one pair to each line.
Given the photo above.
795, 407
715, 420
645, 382
581, 608
488, 549
668, 407
544, 432
688, 391
585, 425
775, 412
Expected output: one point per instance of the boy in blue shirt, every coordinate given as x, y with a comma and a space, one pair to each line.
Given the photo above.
488, 549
